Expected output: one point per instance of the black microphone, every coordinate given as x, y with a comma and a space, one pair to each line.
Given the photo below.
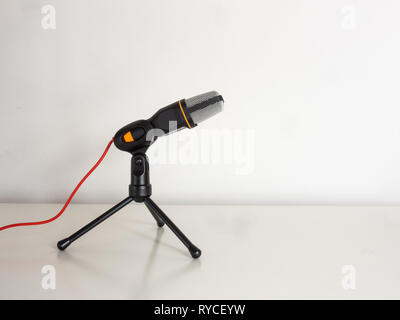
186, 113
135, 138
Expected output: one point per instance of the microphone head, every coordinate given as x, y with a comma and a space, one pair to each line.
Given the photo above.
204, 106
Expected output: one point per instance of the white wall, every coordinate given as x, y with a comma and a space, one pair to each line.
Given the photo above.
315, 83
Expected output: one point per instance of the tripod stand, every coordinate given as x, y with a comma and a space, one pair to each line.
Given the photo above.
139, 191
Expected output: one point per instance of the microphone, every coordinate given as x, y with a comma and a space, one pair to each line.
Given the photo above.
135, 138
186, 113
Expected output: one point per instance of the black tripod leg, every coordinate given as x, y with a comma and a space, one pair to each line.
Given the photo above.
194, 251
63, 244
159, 221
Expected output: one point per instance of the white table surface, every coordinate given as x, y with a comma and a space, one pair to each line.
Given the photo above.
249, 252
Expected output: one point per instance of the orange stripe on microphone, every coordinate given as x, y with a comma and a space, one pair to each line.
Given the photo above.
187, 122
128, 137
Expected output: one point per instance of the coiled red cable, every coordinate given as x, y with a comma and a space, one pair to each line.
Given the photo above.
69, 198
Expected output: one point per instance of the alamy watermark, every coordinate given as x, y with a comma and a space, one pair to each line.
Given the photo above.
49, 278
349, 21
348, 281
230, 147
48, 21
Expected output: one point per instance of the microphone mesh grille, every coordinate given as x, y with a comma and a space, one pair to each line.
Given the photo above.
204, 106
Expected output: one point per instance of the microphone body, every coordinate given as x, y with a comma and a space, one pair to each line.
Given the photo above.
186, 113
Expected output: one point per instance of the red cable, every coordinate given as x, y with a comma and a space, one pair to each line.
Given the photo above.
69, 199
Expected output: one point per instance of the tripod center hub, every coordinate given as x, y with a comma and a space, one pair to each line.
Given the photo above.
140, 186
